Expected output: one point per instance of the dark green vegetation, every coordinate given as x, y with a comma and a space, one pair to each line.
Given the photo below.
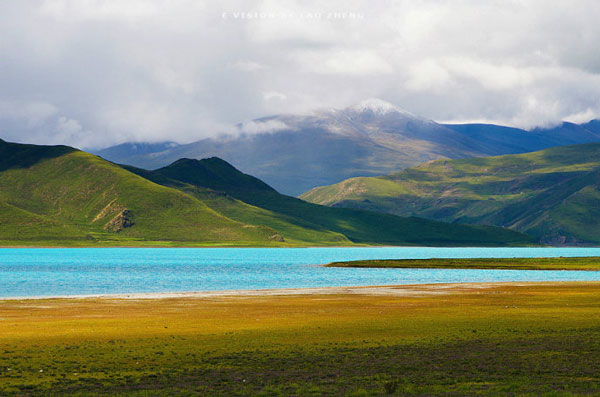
562, 263
537, 339
194, 176
56, 195
553, 195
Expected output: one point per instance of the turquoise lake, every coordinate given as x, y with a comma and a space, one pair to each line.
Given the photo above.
82, 271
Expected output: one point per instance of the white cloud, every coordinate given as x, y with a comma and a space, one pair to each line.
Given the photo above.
68, 126
27, 113
343, 62
246, 66
102, 9
70, 130
41, 122
270, 95
491, 76
582, 117
257, 127
428, 75
177, 70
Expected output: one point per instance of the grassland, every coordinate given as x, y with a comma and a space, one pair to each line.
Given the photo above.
61, 196
534, 339
561, 263
552, 194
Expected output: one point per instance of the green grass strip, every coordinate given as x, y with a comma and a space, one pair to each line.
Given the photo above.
560, 263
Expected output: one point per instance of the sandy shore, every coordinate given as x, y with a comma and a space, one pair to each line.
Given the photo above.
387, 290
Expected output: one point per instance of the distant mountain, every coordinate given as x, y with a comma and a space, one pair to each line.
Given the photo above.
136, 152
138, 149
497, 140
56, 195
553, 195
374, 137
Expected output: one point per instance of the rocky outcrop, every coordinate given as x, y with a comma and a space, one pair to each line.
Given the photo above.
277, 237
122, 220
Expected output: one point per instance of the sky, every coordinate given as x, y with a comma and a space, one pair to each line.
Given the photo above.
91, 73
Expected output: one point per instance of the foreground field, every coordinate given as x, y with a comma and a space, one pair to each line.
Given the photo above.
444, 339
561, 263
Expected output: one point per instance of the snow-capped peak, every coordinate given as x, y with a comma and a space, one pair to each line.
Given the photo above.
378, 106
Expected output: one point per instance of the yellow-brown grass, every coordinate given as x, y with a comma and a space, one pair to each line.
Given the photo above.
137, 345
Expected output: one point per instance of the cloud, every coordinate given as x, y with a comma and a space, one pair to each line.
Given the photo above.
42, 123
246, 66
102, 9
28, 114
158, 70
258, 127
270, 95
428, 75
581, 117
343, 62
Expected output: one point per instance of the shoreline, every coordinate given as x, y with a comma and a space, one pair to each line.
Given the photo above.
289, 246
372, 290
546, 263
260, 246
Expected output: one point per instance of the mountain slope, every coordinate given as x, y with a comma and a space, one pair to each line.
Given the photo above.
210, 179
55, 195
551, 194
52, 194
295, 153
317, 149
493, 140
358, 226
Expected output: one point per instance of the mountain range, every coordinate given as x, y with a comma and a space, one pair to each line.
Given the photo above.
297, 152
552, 195
60, 196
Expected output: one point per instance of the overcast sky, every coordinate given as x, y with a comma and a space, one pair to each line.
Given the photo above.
95, 73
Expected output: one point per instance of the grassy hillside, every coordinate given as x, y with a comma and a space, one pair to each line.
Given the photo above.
55, 195
552, 194
208, 180
291, 216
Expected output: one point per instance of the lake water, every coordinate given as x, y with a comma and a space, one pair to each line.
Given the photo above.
82, 271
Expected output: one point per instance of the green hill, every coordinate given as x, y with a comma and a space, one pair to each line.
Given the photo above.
284, 211
56, 195
552, 194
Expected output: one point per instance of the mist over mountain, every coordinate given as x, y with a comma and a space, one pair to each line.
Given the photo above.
297, 152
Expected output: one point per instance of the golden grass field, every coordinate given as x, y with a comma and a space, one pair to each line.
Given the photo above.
527, 338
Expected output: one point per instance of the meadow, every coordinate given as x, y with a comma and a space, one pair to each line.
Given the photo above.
561, 263
536, 339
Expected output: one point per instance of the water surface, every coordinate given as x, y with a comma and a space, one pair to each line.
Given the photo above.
82, 271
